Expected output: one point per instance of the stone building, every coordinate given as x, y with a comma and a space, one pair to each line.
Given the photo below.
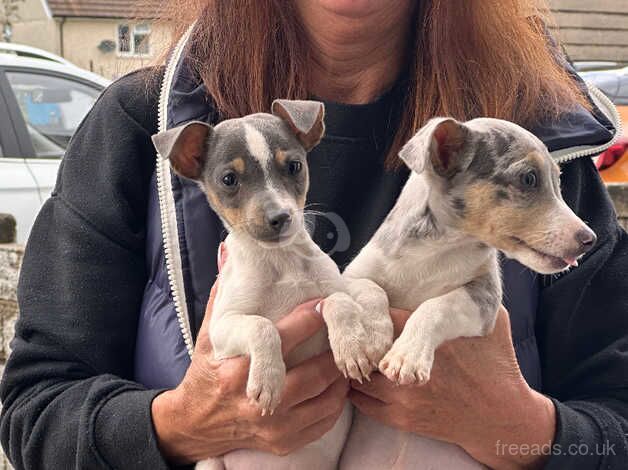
109, 37
593, 31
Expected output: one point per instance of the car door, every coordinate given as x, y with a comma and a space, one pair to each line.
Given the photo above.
19, 193
622, 100
50, 107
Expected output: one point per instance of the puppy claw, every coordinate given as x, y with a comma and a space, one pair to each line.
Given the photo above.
353, 358
264, 386
365, 365
406, 366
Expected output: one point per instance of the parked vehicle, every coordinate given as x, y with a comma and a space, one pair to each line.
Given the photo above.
614, 84
587, 65
613, 163
42, 102
29, 52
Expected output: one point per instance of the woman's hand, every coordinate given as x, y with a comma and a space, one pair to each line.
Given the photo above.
476, 398
208, 414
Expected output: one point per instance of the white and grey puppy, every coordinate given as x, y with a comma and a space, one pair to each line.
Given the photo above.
254, 173
475, 188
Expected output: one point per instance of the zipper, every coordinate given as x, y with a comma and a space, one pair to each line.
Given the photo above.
610, 111
169, 228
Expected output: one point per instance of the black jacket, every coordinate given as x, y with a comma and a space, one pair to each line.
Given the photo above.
68, 397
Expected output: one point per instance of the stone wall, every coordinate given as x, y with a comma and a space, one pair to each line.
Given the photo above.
10, 261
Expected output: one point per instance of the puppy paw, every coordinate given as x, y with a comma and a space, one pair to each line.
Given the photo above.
351, 356
407, 364
265, 384
358, 339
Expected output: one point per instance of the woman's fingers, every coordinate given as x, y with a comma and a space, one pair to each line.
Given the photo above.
203, 345
313, 432
325, 404
374, 408
299, 325
292, 428
502, 325
379, 388
221, 256
309, 379
366, 403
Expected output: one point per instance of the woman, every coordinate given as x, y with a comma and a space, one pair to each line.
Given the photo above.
116, 277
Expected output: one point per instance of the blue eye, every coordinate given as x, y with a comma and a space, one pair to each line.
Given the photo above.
295, 167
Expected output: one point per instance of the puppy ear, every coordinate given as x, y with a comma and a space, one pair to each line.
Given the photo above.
185, 146
439, 143
305, 119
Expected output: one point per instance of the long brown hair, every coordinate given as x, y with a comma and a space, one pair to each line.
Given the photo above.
470, 58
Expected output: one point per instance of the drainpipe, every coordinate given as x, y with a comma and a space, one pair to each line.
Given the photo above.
61, 44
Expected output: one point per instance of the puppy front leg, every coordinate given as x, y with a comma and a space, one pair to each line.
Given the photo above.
255, 336
359, 326
467, 311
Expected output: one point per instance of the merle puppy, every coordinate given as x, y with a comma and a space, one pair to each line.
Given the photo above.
475, 188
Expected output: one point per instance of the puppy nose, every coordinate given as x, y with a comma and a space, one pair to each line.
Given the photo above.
278, 220
587, 238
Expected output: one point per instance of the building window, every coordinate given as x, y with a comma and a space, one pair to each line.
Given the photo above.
134, 40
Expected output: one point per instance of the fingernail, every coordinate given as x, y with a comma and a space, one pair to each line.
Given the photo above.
219, 256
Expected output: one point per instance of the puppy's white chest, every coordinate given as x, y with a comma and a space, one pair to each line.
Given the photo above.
284, 292
418, 272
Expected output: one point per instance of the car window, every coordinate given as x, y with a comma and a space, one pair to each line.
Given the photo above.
52, 107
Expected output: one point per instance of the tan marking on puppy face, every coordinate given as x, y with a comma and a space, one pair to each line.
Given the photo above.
495, 221
537, 158
235, 217
301, 201
281, 157
239, 165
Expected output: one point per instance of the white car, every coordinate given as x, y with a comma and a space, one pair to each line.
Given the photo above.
22, 50
42, 102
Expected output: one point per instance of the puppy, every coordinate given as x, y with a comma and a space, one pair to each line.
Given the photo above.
255, 175
475, 188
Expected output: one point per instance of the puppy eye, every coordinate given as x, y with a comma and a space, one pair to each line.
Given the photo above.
295, 167
230, 179
529, 179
